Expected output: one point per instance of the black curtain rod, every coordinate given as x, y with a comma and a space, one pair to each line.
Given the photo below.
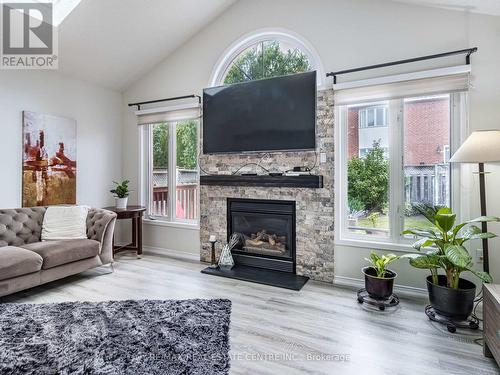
165, 100
467, 52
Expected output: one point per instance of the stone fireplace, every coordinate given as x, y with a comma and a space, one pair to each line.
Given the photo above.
311, 254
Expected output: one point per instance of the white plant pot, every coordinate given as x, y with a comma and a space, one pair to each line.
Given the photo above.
121, 202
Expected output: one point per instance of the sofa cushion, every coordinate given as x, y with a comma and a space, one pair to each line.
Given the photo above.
56, 253
15, 261
65, 223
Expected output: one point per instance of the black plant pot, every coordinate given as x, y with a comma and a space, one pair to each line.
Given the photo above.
452, 303
379, 287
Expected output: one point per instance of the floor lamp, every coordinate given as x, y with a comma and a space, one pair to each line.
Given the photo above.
481, 147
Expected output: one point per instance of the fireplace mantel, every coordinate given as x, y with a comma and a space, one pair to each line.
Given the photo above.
304, 181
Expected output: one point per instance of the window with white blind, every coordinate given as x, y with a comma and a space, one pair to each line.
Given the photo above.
393, 142
169, 166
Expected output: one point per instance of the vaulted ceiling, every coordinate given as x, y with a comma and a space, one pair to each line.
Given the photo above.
114, 42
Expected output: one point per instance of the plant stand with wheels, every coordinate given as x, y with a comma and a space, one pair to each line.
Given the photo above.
451, 324
380, 303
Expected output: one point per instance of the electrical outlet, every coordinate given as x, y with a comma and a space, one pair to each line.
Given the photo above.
322, 157
479, 255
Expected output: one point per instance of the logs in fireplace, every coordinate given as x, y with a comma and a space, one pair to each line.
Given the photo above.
272, 244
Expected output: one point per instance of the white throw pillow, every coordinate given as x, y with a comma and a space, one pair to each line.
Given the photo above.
65, 223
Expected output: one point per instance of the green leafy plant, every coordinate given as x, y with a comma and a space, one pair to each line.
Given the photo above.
444, 242
355, 205
270, 60
368, 179
373, 218
187, 144
121, 190
380, 262
409, 210
160, 146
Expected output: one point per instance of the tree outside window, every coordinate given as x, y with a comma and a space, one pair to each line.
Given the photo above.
182, 171
265, 60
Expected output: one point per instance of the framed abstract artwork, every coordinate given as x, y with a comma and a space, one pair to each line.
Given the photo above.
49, 160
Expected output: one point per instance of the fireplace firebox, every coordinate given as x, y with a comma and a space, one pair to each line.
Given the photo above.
267, 233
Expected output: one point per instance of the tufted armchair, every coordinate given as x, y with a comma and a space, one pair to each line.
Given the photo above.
101, 227
25, 261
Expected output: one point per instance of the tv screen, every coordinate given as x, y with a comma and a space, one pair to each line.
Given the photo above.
274, 114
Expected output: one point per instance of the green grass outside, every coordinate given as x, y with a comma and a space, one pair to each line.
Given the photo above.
382, 222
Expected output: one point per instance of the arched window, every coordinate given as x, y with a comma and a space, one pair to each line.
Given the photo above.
265, 54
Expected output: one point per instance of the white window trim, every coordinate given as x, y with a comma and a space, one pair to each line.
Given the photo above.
171, 224
460, 123
439, 72
261, 35
144, 179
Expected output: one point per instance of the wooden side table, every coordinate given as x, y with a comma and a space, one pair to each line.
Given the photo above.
135, 213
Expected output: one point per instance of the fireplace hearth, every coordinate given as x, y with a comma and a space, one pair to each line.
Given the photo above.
265, 252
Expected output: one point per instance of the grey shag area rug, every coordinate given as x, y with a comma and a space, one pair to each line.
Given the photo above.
116, 337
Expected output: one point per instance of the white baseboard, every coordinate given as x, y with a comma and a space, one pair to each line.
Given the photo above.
402, 290
351, 282
175, 253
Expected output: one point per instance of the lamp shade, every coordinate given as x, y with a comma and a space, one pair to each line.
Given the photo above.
482, 146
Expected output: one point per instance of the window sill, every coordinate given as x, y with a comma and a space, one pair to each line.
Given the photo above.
399, 247
171, 224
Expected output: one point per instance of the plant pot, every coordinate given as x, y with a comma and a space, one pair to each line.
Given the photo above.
452, 303
379, 287
121, 203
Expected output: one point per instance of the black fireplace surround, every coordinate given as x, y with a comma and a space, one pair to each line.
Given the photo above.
267, 233
265, 253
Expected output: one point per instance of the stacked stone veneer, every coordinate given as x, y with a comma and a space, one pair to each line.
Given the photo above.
314, 207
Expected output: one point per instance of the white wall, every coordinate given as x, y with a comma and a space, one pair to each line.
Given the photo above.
346, 34
97, 112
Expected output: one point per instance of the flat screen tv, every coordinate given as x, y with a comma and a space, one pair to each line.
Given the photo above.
275, 114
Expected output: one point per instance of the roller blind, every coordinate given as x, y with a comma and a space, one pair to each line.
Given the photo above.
168, 114
400, 86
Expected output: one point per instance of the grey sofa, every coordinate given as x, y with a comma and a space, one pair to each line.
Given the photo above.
26, 261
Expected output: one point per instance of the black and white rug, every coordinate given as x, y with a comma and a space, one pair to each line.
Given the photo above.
116, 337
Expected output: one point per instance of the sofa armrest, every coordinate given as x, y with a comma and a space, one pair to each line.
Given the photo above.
101, 227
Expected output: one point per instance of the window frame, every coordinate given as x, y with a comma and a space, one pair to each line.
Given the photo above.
145, 180
266, 34
395, 115
374, 109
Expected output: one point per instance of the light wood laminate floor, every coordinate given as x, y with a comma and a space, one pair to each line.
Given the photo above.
319, 330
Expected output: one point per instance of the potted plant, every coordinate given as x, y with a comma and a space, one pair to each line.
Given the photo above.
379, 281
121, 193
449, 294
